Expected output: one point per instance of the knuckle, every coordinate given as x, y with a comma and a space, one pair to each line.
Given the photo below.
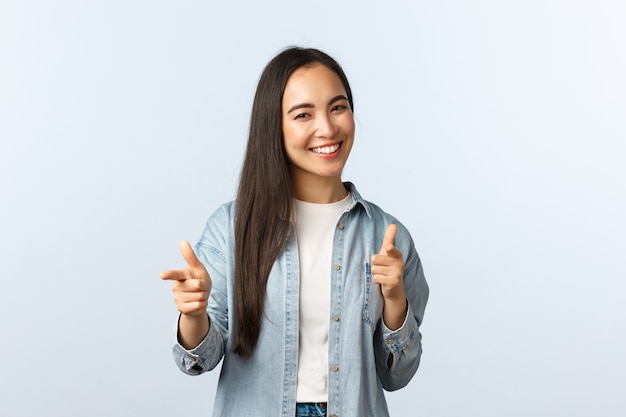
199, 306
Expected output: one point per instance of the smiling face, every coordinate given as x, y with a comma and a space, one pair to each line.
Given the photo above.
318, 131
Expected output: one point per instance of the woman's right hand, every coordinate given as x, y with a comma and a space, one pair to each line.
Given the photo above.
191, 286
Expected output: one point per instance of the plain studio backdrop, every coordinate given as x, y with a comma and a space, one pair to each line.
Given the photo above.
495, 130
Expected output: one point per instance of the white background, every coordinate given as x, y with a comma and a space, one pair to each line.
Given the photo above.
495, 130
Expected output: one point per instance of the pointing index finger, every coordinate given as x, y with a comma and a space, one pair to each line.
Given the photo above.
189, 255
389, 239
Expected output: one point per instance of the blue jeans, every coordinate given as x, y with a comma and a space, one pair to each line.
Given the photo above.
310, 410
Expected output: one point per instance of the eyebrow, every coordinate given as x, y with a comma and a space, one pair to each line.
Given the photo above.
309, 105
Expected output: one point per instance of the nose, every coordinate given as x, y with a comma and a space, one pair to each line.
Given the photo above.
326, 128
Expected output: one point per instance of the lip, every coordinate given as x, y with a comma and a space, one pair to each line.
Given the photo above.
327, 155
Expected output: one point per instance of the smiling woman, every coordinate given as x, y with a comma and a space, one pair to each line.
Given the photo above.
318, 129
312, 295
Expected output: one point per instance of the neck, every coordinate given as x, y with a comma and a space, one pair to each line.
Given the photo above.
319, 190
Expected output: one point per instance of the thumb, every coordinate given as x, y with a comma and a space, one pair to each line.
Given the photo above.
189, 255
388, 239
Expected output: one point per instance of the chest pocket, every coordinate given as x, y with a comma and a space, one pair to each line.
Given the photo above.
372, 298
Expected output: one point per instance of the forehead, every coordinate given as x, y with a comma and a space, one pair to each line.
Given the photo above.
313, 81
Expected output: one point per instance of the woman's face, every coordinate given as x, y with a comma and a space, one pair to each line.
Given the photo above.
318, 126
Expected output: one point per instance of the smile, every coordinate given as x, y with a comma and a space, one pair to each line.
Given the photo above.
326, 150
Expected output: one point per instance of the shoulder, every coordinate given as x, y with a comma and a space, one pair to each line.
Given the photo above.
373, 210
218, 228
224, 212
381, 219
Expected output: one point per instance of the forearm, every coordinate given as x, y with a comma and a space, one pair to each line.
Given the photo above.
192, 330
394, 313
398, 353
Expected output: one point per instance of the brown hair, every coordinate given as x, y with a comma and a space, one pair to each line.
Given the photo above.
263, 204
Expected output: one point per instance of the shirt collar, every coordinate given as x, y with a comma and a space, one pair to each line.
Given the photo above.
357, 199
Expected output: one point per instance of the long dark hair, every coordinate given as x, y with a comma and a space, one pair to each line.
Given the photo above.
263, 205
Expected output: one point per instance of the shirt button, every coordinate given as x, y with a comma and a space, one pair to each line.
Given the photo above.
333, 415
390, 341
337, 267
334, 368
340, 226
335, 317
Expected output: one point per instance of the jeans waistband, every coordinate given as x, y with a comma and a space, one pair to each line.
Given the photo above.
311, 409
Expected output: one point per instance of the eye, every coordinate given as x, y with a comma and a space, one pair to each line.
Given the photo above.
339, 107
302, 116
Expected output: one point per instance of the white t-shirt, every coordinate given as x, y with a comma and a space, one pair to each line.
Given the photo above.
315, 229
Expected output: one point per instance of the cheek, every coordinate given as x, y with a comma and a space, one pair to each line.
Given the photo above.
351, 131
294, 136
288, 135
348, 124
348, 127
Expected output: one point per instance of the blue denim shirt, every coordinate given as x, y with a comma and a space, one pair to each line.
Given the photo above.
359, 342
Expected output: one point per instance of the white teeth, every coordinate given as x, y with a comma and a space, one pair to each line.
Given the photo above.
326, 149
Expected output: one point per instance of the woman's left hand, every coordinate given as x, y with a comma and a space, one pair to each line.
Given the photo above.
387, 269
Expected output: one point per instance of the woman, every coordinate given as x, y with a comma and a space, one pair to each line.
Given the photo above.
311, 295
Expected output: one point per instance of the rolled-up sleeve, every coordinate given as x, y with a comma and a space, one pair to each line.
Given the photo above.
210, 251
203, 357
398, 352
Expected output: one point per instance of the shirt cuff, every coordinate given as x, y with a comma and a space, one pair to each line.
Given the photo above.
396, 340
195, 360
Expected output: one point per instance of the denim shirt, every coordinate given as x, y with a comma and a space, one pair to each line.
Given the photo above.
360, 344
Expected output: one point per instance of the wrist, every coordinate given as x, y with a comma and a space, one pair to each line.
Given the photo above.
394, 313
397, 295
192, 329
